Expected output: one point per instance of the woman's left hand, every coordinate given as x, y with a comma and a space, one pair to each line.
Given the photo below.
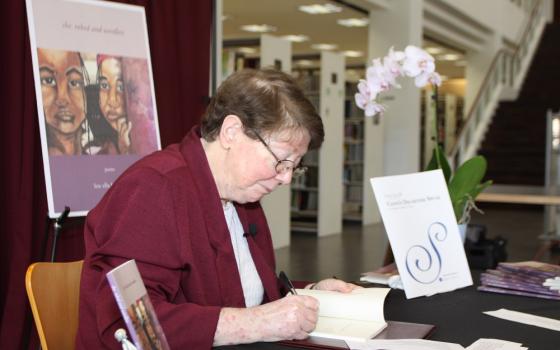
335, 285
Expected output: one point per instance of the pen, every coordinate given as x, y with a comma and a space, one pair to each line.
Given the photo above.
287, 283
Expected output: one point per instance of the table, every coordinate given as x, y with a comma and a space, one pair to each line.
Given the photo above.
520, 195
459, 319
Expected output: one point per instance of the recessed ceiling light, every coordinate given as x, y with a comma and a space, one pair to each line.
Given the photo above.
434, 50
258, 28
318, 9
296, 38
324, 46
353, 22
352, 53
449, 57
246, 50
304, 63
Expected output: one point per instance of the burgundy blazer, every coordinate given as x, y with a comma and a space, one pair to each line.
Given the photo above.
165, 212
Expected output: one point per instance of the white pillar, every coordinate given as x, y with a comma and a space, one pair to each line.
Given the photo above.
393, 145
277, 52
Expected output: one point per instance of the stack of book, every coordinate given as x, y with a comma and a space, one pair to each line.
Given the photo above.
526, 278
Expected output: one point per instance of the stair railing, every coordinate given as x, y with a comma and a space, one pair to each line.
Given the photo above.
506, 70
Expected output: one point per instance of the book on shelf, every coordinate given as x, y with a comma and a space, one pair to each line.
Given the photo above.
526, 278
136, 308
356, 316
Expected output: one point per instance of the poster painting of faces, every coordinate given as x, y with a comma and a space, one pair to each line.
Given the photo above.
95, 96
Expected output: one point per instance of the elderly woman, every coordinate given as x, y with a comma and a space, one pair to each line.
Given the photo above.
182, 214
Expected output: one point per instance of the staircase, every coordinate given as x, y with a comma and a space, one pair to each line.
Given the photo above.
514, 144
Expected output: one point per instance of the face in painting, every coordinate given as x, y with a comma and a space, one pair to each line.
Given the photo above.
111, 90
62, 87
252, 165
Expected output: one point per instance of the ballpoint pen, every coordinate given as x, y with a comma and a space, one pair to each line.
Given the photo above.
287, 283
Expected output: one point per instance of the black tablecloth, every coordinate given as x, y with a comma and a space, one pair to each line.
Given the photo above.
459, 319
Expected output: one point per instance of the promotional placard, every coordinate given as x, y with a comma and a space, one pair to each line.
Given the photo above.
422, 229
95, 96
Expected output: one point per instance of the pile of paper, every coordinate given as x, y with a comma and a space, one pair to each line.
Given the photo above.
423, 344
491, 344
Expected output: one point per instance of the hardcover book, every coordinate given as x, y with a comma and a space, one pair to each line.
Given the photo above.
356, 316
525, 278
136, 307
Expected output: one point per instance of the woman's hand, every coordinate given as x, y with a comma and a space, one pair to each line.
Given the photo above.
123, 131
292, 317
335, 285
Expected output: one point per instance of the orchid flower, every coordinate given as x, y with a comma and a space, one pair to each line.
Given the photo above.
382, 75
417, 62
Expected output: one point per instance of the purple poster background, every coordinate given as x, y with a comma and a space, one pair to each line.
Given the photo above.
90, 178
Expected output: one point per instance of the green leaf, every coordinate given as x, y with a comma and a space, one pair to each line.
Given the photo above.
465, 183
433, 164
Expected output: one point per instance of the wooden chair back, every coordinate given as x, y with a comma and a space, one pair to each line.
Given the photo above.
54, 292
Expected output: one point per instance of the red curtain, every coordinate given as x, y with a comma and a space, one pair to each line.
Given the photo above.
179, 34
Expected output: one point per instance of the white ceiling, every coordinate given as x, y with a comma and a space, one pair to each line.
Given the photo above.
285, 16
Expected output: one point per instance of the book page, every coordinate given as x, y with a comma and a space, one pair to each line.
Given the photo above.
364, 304
345, 329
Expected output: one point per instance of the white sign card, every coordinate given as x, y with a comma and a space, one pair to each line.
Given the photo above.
422, 229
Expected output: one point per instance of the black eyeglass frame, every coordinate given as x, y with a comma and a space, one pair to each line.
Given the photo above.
296, 170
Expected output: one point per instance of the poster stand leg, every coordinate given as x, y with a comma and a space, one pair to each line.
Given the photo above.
57, 228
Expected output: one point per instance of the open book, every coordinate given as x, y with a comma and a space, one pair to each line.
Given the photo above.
136, 307
355, 316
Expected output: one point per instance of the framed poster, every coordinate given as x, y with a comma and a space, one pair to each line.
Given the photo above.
95, 96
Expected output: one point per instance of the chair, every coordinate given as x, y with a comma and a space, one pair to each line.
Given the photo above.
53, 290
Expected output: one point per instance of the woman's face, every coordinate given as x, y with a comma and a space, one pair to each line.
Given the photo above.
251, 167
62, 88
111, 90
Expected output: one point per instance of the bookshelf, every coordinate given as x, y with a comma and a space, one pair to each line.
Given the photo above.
317, 196
353, 178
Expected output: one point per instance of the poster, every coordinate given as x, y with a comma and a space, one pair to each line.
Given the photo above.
95, 96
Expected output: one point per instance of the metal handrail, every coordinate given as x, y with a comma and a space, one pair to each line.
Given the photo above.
501, 56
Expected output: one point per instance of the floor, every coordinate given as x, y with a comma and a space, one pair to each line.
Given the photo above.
359, 249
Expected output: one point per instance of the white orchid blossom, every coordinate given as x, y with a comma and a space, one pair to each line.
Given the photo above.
382, 75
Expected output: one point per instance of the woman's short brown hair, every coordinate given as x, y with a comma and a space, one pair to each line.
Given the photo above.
266, 101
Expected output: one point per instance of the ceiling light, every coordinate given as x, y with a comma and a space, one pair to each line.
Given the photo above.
304, 63
434, 50
318, 9
449, 57
296, 38
353, 22
352, 53
258, 28
324, 46
246, 50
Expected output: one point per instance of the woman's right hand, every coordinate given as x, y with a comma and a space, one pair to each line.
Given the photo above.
292, 317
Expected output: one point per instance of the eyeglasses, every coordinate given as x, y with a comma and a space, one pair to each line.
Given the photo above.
283, 166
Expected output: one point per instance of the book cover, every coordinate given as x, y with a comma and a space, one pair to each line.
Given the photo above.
531, 268
136, 308
517, 292
520, 286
